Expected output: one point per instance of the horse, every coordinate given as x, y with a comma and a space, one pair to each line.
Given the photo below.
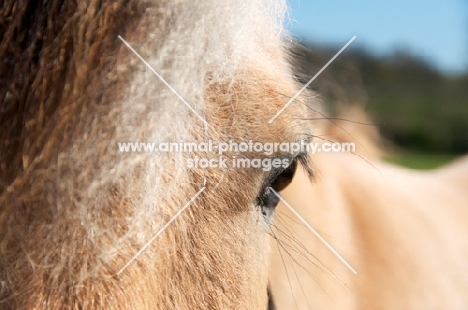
403, 231
85, 224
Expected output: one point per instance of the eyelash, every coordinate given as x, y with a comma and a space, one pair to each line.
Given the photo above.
267, 200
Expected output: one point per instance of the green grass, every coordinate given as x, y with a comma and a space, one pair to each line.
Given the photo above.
420, 160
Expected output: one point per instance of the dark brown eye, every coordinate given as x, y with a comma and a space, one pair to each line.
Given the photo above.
267, 199
285, 178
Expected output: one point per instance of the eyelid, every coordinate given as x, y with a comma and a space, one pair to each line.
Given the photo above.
300, 158
286, 177
276, 172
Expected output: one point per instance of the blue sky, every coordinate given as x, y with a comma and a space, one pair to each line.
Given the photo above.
434, 29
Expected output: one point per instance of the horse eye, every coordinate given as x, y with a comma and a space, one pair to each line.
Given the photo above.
268, 200
285, 178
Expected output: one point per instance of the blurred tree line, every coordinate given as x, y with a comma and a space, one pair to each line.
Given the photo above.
415, 106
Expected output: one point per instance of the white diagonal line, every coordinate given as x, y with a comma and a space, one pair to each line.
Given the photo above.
308, 83
163, 80
314, 231
160, 231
